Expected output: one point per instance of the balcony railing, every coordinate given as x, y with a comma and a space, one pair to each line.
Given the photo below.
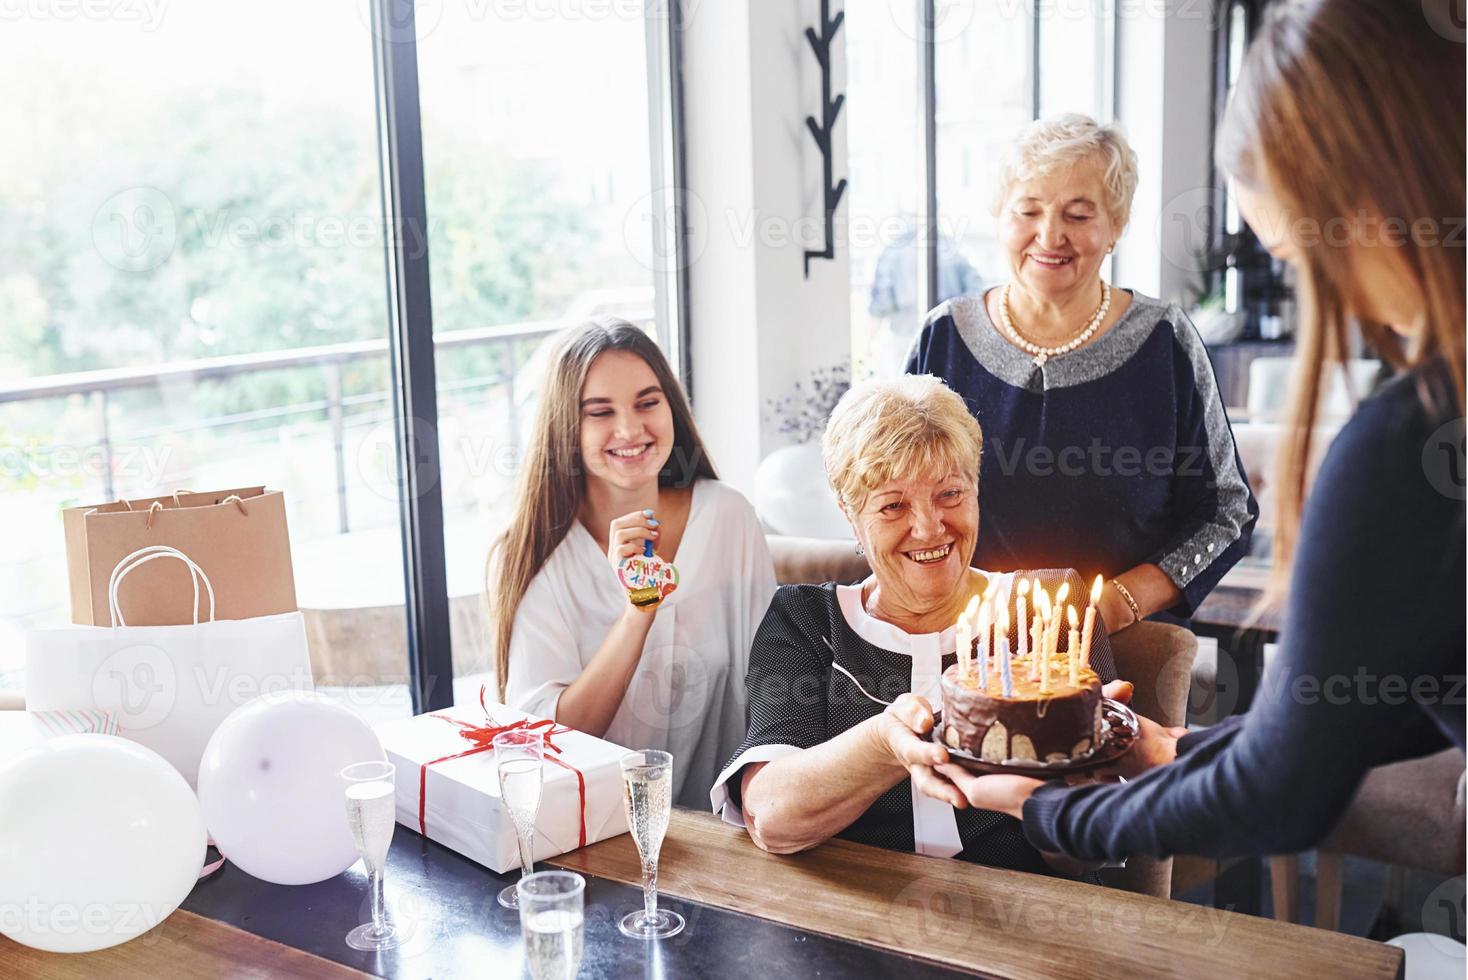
100, 387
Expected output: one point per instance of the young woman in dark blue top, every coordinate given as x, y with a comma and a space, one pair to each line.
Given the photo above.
1371, 660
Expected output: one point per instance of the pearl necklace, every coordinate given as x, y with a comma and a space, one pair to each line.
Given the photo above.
1043, 354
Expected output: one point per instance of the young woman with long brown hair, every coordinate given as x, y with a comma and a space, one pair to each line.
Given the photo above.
1345, 139
615, 460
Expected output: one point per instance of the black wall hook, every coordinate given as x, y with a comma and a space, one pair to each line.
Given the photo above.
821, 45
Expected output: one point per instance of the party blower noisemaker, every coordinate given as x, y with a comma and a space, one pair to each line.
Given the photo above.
646, 577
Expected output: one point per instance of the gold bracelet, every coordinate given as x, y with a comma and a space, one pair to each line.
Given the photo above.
1125, 594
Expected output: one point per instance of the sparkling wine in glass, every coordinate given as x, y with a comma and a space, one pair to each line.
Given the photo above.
369, 793
519, 756
550, 922
647, 791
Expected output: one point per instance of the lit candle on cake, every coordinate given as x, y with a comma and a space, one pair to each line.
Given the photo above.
1044, 665
986, 611
1059, 609
1090, 623
1037, 631
1001, 637
963, 642
1073, 644
1022, 619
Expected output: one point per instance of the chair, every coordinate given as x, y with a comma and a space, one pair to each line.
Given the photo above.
801, 560
1407, 814
1156, 657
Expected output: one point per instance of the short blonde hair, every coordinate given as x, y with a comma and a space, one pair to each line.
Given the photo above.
912, 425
1048, 145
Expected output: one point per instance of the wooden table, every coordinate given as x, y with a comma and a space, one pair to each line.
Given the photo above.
986, 920
183, 945
838, 910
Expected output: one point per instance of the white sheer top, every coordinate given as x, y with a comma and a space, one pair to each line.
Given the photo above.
687, 696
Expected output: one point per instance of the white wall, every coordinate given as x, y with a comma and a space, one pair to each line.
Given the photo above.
754, 179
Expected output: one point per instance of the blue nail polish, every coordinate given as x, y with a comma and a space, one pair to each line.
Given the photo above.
647, 513
652, 522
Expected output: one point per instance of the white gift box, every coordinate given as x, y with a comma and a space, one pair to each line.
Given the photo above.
20, 730
460, 797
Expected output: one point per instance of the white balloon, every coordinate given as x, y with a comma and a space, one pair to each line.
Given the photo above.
792, 496
271, 788
100, 840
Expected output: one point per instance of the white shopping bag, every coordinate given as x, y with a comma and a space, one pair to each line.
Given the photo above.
168, 686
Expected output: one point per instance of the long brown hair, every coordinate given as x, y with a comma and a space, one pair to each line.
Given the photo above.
1345, 105
552, 480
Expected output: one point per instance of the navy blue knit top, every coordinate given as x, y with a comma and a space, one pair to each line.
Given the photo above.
1113, 455
1369, 668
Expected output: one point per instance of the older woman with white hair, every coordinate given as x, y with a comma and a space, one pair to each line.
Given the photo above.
1109, 448
822, 758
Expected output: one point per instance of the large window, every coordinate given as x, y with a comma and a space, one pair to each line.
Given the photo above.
541, 145
994, 66
885, 140
1076, 42
193, 265
985, 94
193, 291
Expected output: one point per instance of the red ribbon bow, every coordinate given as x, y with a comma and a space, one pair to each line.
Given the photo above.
483, 738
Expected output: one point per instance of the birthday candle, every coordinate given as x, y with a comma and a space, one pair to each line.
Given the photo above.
1090, 623
962, 644
1044, 664
1059, 609
970, 615
1037, 631
1001, 636
1073, 644
985, 613
1022, 626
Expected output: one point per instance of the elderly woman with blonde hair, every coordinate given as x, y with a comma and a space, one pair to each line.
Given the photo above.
1109, 447
842, 679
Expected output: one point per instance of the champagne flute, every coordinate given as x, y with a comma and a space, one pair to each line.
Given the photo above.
518, 758
370, 803
647, 791
550, 922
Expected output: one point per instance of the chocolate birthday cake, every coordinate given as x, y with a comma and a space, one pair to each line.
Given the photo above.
1027, 726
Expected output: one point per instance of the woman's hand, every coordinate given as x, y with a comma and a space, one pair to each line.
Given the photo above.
902, 732
626, 534
1115, 614
1001, 793
1156, 746
1005, 793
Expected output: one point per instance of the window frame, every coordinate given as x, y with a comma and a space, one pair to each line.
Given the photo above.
410, 338
1107, 79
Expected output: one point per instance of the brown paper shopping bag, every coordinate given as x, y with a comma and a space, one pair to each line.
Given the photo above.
238, 537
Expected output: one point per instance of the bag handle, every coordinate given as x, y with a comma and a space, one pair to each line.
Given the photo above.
157, 505
141, 557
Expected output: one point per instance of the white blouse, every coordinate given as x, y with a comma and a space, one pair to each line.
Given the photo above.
687, 695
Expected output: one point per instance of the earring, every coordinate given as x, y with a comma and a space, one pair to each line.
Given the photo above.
859, 549
1111, 249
